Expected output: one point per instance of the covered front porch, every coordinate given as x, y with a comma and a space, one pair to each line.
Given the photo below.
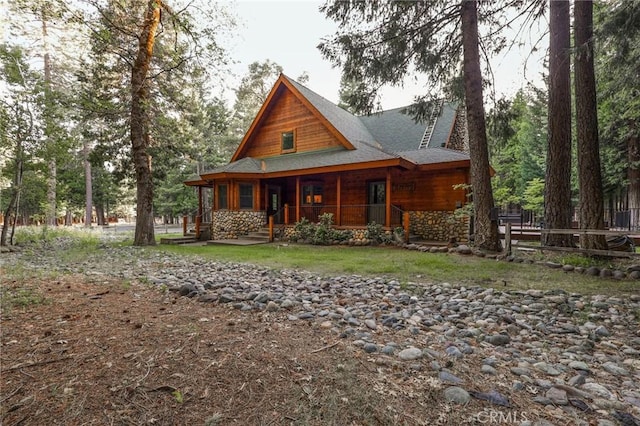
388, 197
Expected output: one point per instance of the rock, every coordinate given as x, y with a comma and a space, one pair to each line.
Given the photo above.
619, 275
592, 270
579, 365
272, 306
226, 298
410, 354
208, 298
388, 349
186, 289
487, 369
606, 273
447, 377
597, 390
577, 380
612, 368
521, 371
602, 331
370, 347
557, 396
547, 368
453, 351
456, 395
371, 324
463, 249
498, 339
493, 396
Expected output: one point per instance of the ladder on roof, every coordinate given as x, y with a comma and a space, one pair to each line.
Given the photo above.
428, 133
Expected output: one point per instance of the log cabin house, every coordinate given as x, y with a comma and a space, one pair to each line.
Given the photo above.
304, 156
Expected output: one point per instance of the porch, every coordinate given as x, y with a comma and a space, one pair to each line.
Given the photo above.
421, 202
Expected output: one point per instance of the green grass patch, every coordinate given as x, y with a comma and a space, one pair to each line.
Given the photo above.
19, 297
409, 266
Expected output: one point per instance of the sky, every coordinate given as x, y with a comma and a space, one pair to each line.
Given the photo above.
288, 31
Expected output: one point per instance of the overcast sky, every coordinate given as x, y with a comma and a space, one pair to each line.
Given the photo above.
288, 31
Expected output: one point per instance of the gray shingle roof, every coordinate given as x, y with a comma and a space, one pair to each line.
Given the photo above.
393, 130
382, 136
434, 155
350, 126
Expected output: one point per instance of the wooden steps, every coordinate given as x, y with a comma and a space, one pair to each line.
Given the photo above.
188, 239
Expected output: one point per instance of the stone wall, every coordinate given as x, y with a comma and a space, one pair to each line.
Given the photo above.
230, 224
459, 139
439, 226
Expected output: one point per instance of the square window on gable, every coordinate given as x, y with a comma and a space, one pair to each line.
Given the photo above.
288, 140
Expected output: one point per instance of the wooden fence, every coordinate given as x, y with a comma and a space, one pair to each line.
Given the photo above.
574, 232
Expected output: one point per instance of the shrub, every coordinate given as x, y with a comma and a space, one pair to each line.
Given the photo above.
321, 233
376, 235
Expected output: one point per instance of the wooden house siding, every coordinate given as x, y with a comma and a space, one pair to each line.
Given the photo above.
289, 114
418, 191
410, 190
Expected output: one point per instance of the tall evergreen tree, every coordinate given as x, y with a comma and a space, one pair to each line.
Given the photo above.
557, 206
486, 229
590, 180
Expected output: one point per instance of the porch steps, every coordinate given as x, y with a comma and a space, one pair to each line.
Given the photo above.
188, 239
260, 235
255, 237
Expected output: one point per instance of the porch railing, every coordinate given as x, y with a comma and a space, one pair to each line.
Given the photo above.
350, 215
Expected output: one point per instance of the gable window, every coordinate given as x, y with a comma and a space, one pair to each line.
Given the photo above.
312, 194
223, 202
288, 141
246, 196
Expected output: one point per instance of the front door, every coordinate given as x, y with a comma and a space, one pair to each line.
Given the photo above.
376, 202
274, 207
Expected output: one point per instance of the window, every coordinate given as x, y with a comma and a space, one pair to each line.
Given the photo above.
288, 142
223, 203
246, 196
312, 194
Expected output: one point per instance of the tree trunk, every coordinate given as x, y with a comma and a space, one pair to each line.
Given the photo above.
486, 230
144, 234
589, 174
88, 187
52, 181
633, 174
557, 192
11, 212
100, 219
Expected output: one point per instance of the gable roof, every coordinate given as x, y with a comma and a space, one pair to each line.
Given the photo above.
387, 138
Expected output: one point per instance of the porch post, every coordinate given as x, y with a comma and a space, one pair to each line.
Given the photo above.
257, 196
232, 195
270, 229
406, 224
387, 219
338, 201
286, 213
199, 216
297, 198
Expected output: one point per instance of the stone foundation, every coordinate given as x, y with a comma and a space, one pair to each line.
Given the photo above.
439, 226
230, 224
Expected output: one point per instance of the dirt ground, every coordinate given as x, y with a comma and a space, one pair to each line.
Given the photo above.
101, 352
